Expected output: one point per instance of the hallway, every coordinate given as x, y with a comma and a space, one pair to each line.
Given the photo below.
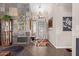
22, 23
30, 50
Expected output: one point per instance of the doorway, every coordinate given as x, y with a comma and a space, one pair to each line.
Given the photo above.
39, 31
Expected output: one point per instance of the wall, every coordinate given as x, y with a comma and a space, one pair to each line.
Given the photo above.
17, 10
58, 37
75, 32
52, 31
63, 38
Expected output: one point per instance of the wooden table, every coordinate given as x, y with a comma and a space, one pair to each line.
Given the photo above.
5, 53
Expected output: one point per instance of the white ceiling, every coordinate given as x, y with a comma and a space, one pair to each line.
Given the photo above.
47, 8
35, 8
41, 7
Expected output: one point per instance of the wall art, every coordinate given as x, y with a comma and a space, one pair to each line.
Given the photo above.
67, 23
50, 23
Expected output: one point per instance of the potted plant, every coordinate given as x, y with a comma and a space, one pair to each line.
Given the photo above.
6, 17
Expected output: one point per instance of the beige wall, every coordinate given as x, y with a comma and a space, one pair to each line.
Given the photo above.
58, 37
52, 31
75, 32
63, 38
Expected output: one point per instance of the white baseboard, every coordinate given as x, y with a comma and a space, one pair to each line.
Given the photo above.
63, 46
60, 46
53, 44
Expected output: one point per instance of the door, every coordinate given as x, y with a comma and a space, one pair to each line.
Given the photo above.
42, 29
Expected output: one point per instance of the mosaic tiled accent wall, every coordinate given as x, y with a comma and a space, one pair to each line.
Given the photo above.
18, 12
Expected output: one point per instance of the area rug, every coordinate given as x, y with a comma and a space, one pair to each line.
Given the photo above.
14, 49
41, 43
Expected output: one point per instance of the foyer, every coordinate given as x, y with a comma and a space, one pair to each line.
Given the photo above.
36, 29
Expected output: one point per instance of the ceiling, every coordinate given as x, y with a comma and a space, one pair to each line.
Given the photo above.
35, 8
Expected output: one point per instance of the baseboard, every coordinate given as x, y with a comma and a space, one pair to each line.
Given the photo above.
59, 46
52, 44
63, 47
19, 43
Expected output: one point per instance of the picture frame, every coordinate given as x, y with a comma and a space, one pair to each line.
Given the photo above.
67, 23
50, 23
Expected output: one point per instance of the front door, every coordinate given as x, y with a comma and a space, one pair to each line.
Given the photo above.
41, 29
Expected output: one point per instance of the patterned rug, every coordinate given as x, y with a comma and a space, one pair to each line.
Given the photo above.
41, 43
14, 49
